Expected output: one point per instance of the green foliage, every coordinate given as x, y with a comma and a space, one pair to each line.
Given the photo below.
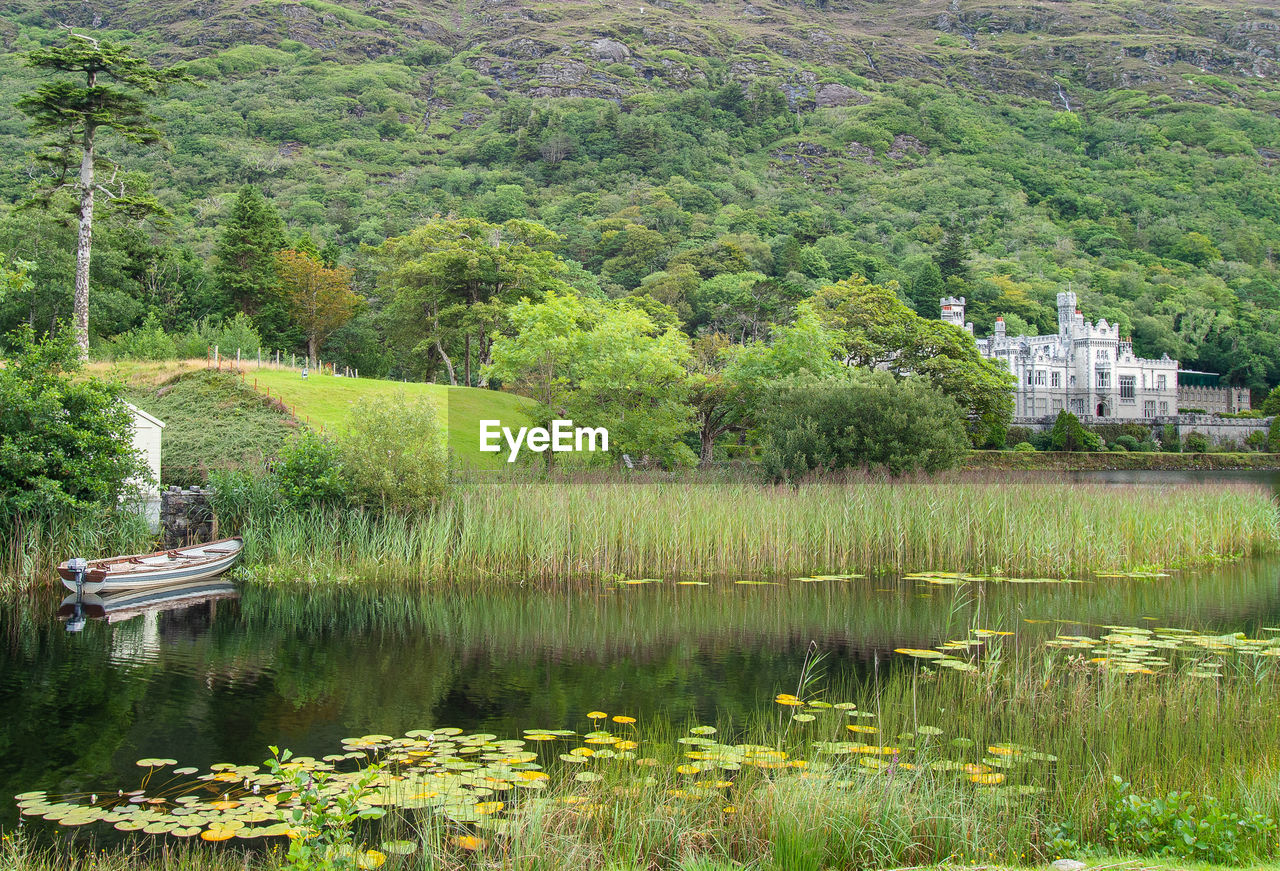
602, 364
1196, 443
1126, 442
1169, 439
213, 421
228, 336
1180, 826
1273, 436
867, 421
393, 454
65, 439
245, 270
1069, 435
1271, 405
1024, 447
309, 471
324, 819
147, 341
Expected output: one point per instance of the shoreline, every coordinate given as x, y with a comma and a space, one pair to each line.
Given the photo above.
1077, 461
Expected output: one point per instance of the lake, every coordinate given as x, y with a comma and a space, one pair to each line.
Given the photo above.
219, 680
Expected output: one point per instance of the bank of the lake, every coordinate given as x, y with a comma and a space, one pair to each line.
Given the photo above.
504, 530
1081, 461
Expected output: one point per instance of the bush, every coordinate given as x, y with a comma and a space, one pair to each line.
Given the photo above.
1125, 442
870, 422
1024, 448
1179, 826
1148, 447
147, 341
310, 473
65, 439
1196, 443
394, 454
227, 336
1069, 435
1273, 436
1169, 441
1019, 434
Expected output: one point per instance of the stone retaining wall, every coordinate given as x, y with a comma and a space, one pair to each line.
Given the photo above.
186, 517
1218, 430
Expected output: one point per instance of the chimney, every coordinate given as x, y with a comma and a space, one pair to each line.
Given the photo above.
999, 328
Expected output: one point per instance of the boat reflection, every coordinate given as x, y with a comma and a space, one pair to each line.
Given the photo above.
178, 603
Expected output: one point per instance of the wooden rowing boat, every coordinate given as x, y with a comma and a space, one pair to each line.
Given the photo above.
197, 562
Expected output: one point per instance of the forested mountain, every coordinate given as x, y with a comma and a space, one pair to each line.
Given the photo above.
724, 159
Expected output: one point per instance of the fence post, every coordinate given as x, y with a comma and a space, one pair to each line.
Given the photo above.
237, 358
217, 364
259, 357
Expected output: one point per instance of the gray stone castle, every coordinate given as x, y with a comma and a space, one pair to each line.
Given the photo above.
1089, 370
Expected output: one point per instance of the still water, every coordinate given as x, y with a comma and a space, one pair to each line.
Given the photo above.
219, 678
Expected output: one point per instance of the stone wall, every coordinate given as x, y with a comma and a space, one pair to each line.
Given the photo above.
186, 517
1219, 430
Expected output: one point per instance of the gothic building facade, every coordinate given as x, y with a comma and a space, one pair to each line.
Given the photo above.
1085, 368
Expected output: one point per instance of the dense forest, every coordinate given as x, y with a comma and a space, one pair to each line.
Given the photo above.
715, 165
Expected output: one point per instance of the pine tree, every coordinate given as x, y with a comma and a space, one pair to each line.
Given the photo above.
246, 267
108, 92
952, 254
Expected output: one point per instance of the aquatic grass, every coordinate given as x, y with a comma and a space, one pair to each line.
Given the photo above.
30, 548
527, 530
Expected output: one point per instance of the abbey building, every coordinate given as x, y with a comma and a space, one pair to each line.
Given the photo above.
1089, 370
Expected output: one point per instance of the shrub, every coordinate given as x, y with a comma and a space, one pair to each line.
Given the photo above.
1180, 826
65, 439
229, 335
1196, 443
394, 455
147, 341
1169, 441
1024, 448
1019, 434
1125, 442
309, 471
1069, 435
870, 422
1273, 436
1148, 447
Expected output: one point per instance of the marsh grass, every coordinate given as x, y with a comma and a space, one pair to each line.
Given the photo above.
524, 530
31, 547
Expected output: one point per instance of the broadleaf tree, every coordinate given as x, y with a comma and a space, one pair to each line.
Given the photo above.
319, 297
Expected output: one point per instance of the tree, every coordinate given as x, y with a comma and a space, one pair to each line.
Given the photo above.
108, 94
453, 280
952, 255
13, 278
1069, 435
601, 364
320, 298
246, 268
1271, 405
872, 328
861, 420
65, 439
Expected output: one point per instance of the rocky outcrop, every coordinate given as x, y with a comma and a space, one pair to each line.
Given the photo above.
609, 51
831, 94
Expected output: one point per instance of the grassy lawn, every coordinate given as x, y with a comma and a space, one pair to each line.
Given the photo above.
324, 401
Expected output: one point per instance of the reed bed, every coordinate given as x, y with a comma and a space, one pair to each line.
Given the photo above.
539, 531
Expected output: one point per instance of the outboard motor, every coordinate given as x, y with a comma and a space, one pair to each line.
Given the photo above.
78, 567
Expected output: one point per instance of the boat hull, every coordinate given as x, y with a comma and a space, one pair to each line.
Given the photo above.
145, 576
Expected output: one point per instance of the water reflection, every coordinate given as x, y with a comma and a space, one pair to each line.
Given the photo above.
218, 678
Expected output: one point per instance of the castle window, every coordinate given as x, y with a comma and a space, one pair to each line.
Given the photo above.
1057, 406
1127, 385
1104, 379
1040, 378
1149, 408
1161, 382
1164, 409
1055, 380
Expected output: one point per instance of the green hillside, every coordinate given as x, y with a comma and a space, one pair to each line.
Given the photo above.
1002, 152
325, 401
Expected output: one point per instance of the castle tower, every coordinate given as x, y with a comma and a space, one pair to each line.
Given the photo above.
953, 311
1066, 312
1000, 329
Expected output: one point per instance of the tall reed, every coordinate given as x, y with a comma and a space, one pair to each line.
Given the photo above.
530, 530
